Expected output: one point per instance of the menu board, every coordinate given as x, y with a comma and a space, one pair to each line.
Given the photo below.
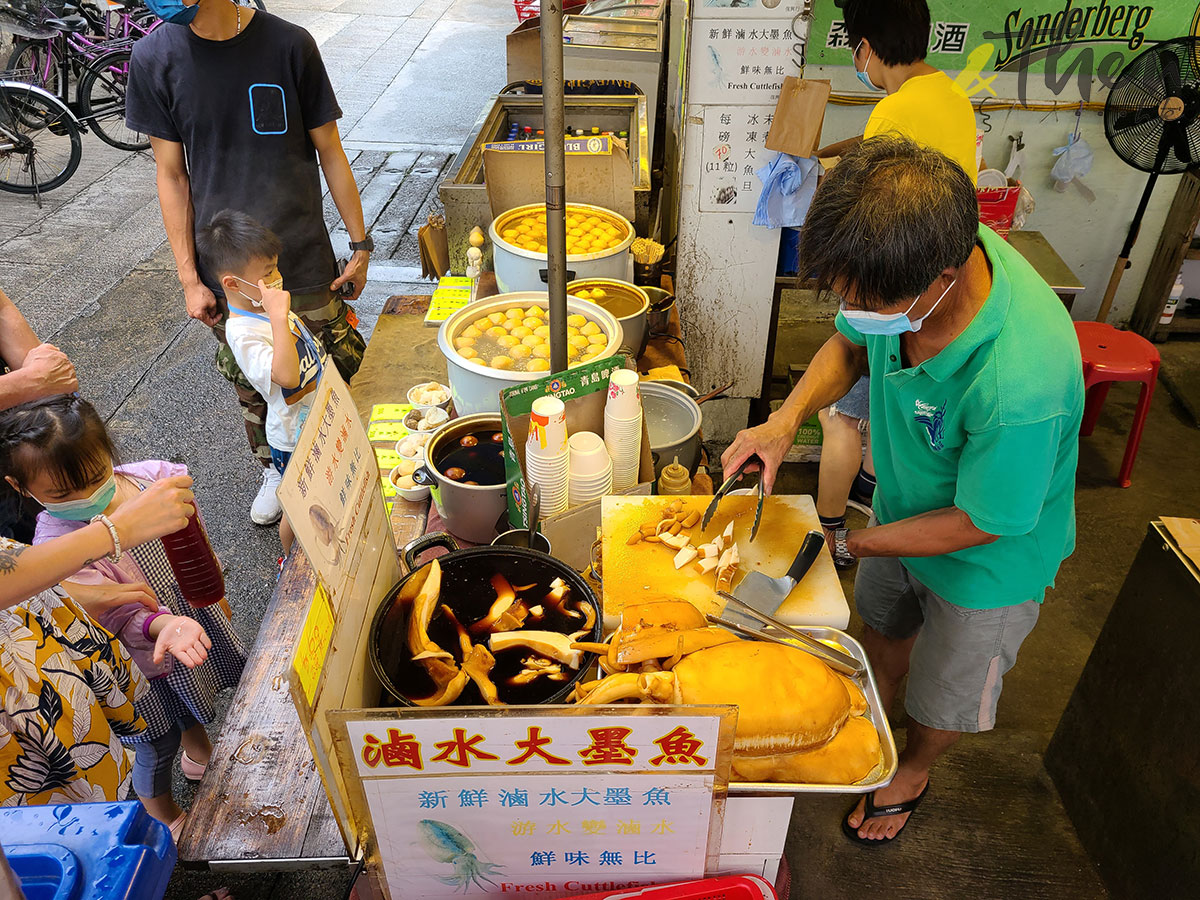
734, 149
740, 61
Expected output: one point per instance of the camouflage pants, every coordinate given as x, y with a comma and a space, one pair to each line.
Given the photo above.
327, 318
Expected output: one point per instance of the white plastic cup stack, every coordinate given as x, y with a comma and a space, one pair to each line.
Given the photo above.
547, 458
591, 469
623, 428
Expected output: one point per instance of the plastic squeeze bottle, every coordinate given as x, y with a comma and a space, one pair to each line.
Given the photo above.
674, 480
194, 564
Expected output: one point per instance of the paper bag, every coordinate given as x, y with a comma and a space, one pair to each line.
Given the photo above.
435, 249
799, 115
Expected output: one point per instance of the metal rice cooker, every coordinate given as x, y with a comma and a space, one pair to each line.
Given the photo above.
626, 301
520, 268
476, 386
673, 425
470, 511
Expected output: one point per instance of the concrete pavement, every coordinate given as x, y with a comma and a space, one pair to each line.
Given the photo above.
92, 273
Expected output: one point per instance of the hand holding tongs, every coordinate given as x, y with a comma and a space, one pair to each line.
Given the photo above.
752, 459
835, 659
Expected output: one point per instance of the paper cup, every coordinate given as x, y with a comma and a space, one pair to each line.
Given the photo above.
589, 456
548, 427
624, 398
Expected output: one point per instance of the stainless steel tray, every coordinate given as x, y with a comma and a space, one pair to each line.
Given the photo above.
883, 773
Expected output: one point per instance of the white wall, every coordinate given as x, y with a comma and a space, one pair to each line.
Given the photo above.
1088, 236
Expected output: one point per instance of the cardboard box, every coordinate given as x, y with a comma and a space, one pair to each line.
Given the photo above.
584, 391
597, 172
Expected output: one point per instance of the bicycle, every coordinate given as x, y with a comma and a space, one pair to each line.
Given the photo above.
40, 144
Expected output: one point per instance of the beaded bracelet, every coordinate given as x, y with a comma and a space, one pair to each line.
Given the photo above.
115, 556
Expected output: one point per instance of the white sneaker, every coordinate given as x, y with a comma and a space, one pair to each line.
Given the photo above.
265, 509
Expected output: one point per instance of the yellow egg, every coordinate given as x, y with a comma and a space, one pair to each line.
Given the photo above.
531, 340
537, 365
515, 313
520, 351
572, 351
599, 294
572, 221
507, 341
464, 342
542, 331
577, 320
496, 318
521, 331
598, 339
590, 328
472, 332
509, 233
575, 232
541, 217
468, 353
502, 362
593, 220
531, 322
497, 331
582, 295
542, 351
577, 341
482, 324
523, 229
536, 312
541, 248
588, 357
510, 324
572, 331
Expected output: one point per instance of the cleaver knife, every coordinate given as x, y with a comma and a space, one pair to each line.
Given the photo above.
767, 594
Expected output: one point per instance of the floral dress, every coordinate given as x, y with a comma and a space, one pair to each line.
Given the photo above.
67, 689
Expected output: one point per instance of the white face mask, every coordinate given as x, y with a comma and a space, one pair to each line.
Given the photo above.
276, 285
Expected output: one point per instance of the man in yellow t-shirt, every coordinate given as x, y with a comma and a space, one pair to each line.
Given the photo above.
889, 40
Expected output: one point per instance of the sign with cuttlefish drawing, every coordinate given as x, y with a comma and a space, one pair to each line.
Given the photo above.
541, 801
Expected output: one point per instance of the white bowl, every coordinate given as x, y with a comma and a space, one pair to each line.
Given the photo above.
428, 419
416, 492
429, 386
420, 439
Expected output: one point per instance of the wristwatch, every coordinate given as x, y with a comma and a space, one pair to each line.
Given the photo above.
368, 244
840, 550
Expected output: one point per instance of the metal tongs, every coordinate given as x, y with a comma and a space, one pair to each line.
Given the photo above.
752, 459
835, 659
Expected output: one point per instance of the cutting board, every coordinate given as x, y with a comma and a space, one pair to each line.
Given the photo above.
645, 572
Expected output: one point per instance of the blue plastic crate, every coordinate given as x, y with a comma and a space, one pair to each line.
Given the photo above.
88, 851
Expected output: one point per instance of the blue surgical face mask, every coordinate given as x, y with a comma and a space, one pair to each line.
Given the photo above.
173, 11
84, 510
865, 322
863, 76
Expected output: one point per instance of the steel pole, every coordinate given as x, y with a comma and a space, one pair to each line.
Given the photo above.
554, 120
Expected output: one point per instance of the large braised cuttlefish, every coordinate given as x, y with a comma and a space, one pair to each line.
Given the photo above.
449, 681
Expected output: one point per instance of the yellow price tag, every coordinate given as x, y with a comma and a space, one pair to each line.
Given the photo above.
314, 642
384, 412
386, 431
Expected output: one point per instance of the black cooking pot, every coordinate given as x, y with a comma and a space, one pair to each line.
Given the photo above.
467, 590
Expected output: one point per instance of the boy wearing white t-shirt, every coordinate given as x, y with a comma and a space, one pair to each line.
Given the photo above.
273, 348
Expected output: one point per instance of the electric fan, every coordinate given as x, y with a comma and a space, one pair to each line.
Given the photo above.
1152, 121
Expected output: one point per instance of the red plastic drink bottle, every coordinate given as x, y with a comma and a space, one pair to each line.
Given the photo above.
194, 564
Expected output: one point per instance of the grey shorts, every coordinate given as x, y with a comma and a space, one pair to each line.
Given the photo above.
960, 655
857, 403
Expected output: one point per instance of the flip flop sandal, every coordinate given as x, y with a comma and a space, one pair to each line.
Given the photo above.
192, 770
871, 811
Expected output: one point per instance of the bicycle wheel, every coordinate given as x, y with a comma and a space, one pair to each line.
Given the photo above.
40, 147
35, 62
102, 101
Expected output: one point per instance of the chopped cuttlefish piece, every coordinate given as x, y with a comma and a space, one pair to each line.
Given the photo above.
547, 643
505, 597
709, 549
727, 534
675, 541
685, 556
478, 667
707, 564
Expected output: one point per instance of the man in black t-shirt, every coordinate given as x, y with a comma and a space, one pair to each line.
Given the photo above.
239, 110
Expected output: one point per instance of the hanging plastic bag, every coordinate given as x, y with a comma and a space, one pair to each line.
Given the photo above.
788, 187
1074, 161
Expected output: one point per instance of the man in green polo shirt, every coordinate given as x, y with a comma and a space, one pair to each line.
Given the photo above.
976, 398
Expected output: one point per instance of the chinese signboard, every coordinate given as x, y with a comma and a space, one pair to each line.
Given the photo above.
740, 60
747, 9
1070, 41
545, 802
314, 642
734, 139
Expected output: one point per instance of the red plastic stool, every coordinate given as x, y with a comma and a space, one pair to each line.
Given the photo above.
1110, 355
